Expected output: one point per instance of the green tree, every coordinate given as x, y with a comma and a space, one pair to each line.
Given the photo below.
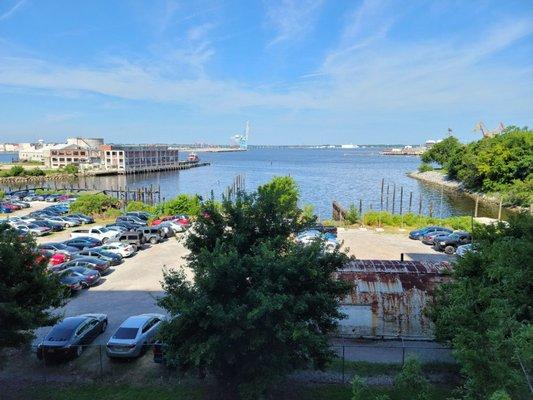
27, 290
94, 204
442, 152
410, 382
360, 389
485, 312
260, 305
308, 216
182, 204
140, 206
71, 169
352, 214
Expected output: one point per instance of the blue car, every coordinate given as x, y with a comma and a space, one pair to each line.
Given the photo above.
418, 234
4, 209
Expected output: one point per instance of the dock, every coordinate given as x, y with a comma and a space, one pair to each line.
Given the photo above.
157, 168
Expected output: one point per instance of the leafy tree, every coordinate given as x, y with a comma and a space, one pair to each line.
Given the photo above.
441, 152
182, 204
27, 291
71, 169
308, 216
352, 214
425, 167
485, 312
360, 389
260, 305
94, 204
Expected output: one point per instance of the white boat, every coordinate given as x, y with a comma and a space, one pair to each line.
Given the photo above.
349, 146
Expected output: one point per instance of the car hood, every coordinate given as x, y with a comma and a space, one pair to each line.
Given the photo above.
121, 342
54, 343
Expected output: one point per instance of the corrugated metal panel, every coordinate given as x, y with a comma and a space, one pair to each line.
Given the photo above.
397, 293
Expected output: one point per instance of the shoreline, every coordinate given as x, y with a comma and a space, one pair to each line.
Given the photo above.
437, 178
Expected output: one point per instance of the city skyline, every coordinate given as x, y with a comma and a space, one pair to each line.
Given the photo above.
307, 72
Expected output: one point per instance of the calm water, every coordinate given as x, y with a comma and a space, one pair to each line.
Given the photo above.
323, 175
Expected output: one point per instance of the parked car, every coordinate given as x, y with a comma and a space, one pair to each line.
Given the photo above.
132, 238
59, 247
451, 242
50, 225
140, 214
325, 228
71, 281
101, 233
33, 229
111, 258
66, 222
151, 235
131, 219
417, 234
22, 204
67, 338
122, 249
464, 248
430, 238
86, 219
117, 228
134, 336
57, 259
82, 243
309, 236
4, 209
90, 276
98, 264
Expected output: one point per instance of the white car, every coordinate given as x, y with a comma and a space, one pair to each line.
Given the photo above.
134, 335
97, 232
125, 250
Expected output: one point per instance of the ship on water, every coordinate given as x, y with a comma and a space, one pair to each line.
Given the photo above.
349, 146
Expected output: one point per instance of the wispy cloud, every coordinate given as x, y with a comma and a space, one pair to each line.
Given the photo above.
61, 117
9, 13
292, 19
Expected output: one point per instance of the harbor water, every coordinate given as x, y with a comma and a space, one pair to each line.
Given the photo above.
323, 175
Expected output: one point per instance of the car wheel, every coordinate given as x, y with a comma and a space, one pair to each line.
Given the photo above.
449, 250
84, 285
153, 240
79, 350
134, 247
67, 225
104, 240
104, 326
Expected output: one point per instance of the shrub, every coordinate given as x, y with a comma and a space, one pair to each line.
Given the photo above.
352, 214
71, 169
2, 194
360, 389
140, 206
95, 204
182, 204
308, 214
500, 395
411, 382
35, 172
425, 167
17, 170
520, 193
385, 218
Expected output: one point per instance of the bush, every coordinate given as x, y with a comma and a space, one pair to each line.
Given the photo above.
425, 167
352, 214
182, 204
360, 389
35, 172
520, 193
411, 382
71, 169
140, 206
95, 204
16, 170
308, 216
2, 194
385, 218
500, 395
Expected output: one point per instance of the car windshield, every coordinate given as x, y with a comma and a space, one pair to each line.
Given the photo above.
104, 230
454, 236
126, 333
59, 334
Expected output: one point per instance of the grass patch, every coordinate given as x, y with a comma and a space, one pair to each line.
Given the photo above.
365, 368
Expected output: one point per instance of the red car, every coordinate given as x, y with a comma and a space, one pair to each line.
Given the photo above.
12, 207
157, 221
58, 258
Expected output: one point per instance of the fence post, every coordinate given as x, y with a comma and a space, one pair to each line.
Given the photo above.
403, 353
342, 363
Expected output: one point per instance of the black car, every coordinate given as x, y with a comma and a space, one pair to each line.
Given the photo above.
73, 282
112, 258
94, 263
48, 224
450, 243
66, 339
131, 219
82, 217
82, 243
324, 228
145, 216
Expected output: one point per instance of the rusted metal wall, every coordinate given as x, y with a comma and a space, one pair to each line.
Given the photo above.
396, 292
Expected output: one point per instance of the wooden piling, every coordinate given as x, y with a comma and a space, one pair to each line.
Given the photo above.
420, 205
401, 200
382, 185
387, 202
410, 200
393, 197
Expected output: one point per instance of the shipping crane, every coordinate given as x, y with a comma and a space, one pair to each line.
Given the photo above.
242, 139
480, 127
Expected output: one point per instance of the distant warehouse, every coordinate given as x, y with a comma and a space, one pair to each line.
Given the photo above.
138, 158
389, 297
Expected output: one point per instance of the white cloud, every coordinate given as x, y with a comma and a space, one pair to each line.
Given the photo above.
62, 117
292, 19
12, 10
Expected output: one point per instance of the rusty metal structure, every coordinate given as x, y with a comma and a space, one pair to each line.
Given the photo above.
388, 298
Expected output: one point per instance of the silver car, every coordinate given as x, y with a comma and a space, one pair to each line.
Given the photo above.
134, 335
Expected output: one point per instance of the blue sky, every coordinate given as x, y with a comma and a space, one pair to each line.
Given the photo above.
301, 72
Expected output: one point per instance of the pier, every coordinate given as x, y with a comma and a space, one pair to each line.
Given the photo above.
157, 168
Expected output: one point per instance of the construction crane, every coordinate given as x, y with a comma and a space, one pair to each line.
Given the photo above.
242, 139
480, 127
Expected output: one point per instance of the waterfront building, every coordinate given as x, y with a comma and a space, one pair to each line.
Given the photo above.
9, 147
33, 151
61, 155
138, 158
